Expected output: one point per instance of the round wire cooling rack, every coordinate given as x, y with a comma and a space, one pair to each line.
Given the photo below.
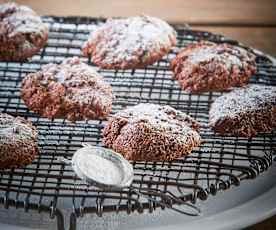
218, 164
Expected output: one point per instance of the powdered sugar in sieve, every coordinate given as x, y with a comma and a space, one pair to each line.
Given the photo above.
101, 167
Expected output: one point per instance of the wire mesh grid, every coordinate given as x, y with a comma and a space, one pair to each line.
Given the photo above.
216, 165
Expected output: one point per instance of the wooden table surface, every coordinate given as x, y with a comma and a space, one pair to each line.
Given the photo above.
252, 22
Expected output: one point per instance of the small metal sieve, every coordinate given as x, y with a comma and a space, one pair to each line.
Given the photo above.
108, 170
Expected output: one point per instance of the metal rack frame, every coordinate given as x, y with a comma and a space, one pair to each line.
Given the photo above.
216, 165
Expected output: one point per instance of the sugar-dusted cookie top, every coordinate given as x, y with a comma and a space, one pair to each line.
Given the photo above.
71, 90
151, 132
206, 66
22, 32
130, 43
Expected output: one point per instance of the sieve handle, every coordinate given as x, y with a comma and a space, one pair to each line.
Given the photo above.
168, 201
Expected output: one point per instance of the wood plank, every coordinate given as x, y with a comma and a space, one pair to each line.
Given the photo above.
193, 11
263, 39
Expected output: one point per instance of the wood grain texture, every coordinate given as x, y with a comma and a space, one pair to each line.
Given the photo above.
207, 11
260, 38
179, 11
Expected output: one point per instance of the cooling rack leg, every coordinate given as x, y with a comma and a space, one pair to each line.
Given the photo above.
73, 221
60, 220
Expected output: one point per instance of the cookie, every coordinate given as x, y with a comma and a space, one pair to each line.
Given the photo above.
245, 111
133, 42
206, 66
22, 33
71, 90
18, 142
150, 132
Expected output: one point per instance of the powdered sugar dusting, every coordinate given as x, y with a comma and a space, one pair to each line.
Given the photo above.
99, 169
161, 118
83, 83
16, 19
243, 100
124, 39
216, 53
13, 129
71, 72
71, 89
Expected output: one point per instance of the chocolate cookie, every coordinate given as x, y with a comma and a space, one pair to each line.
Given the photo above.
206, 66
150, 132
18, 142
245, 111
22, 33
71, 90
130, 43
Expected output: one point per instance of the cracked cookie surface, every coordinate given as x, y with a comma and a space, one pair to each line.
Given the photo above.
18, 142
133, 42
151, 132
22, 32
245, 111
72, 90
206, 66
